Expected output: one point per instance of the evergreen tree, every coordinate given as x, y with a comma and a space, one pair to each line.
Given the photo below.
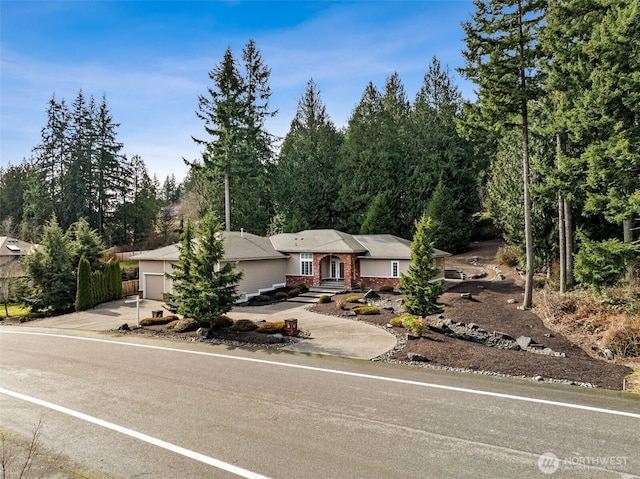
502, 58
421, 292
13, 182
87, 244
448, 229
84, 295
223, 111
51, 271
304, 185
438, 153
380, 219
374, 157
205, 284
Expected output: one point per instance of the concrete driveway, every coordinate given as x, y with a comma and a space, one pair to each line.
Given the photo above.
327, 334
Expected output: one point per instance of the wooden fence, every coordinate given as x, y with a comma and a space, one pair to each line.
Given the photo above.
129, 288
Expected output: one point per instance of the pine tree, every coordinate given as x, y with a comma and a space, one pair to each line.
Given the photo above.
84, 295
51, 271
223, 111
421, 293
204, 284
448, 229
304, 185
502, 58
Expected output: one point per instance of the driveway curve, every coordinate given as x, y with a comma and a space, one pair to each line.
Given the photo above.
327, 335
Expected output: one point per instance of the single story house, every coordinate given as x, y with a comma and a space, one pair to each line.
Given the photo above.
331, 257
262, 265
11, 252
313, 257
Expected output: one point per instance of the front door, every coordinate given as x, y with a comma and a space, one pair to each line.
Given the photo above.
337, 269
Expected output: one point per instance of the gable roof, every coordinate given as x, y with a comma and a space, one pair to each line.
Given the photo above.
317, 241
390, 247
238, 246
14, 247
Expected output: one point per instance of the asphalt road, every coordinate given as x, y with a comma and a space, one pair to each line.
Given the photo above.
128, 407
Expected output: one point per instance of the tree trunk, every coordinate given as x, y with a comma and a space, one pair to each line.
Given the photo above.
562, 244
562, 238
528, 287
227, 195
627, 231
568, 232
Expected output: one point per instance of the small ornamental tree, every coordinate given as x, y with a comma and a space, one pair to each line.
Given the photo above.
84, 296
205, 285
421, 293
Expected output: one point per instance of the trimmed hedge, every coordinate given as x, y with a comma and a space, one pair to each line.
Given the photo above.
272, 328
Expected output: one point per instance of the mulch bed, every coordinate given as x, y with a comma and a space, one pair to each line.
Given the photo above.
490, 310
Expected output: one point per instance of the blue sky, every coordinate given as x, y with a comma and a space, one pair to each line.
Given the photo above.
151, 60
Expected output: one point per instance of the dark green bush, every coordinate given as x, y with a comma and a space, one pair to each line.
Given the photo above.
303, 287
386, 288
244, 325
221, 322
325, 298
263, 298
280, 295
294, 292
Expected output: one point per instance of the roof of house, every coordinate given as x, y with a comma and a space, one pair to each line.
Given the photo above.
241, 246
317, 241
238, 246
14, 247
390, 247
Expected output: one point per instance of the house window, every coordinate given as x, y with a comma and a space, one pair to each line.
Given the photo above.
306, 264
395, 269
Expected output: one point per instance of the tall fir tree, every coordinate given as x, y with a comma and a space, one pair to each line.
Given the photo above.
502, 57
304, 186
223, 111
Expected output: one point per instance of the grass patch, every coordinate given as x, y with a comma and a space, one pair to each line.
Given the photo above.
15, 310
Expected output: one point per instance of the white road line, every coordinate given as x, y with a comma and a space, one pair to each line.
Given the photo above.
138, 435
348, 373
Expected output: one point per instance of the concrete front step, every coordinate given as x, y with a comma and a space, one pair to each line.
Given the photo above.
313, 295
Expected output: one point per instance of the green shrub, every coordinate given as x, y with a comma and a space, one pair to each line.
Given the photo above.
386, 288
294, 292
172, 324
405, 320
397, 321
280, 295
417, 326
507, 256
362, 285
303, 287
244, 325
221, 321
364, 310
352, 299
272, 328
325, 298
263, 298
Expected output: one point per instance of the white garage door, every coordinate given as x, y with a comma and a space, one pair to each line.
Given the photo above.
153, 286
